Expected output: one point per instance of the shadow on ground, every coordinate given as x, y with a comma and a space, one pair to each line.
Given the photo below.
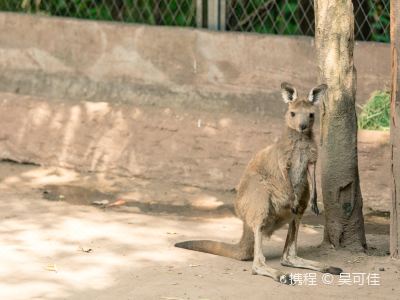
57, 245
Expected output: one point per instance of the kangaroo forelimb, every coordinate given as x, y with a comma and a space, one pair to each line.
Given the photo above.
313, 189
294, 200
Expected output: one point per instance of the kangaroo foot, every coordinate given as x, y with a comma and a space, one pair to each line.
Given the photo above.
264, 270
298, 262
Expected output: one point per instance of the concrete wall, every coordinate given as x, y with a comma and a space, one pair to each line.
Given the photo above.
154, 102
97, 61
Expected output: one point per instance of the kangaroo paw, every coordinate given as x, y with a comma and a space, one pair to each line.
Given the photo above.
295, 205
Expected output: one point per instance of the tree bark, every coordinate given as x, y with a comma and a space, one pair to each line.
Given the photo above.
395, 130
334, 36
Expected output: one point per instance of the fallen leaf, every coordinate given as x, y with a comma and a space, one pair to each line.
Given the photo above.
51, 267
117, 202
88, 250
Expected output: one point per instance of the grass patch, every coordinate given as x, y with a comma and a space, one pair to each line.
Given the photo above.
375, 114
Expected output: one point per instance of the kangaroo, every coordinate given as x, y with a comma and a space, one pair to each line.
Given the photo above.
274, 190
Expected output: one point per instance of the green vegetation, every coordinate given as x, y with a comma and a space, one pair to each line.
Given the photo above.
263, 16
375, 114
293, 17
154, 12
379, 18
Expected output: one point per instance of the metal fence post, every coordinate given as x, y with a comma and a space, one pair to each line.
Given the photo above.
216, 14
199, 13
212, 14
222, 15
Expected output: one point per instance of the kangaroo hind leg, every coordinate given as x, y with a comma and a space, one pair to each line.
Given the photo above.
290, 258
260, 266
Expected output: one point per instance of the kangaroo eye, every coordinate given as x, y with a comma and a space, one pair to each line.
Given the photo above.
292, 114
311, 115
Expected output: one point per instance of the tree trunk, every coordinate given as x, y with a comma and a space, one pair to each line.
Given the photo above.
334, 36
395, 130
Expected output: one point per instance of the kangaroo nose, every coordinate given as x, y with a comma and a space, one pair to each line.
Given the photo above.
303, 127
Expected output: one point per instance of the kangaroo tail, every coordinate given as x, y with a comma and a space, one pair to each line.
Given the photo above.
240, 251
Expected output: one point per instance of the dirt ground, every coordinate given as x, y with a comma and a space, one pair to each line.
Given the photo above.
70, 235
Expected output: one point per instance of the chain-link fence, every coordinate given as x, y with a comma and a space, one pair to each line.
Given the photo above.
293, 17
372, 17
154, 12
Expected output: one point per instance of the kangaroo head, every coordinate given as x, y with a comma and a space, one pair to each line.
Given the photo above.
301, 111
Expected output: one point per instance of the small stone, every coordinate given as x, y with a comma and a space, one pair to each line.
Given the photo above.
381, 269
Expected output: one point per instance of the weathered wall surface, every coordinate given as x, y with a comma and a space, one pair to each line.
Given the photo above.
94, 61
177, 104
189, 147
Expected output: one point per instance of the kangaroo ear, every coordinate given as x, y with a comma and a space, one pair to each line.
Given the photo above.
317, 93
289, 93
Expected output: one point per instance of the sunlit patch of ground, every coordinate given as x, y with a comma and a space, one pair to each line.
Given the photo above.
61, 249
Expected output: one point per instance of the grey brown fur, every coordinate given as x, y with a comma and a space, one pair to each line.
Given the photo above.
275, 190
